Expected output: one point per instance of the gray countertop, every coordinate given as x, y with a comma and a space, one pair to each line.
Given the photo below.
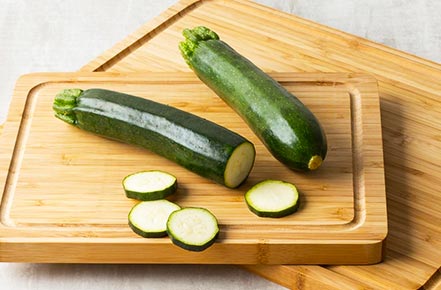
49, 35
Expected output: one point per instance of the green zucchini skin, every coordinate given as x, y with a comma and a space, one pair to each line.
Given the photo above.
192, 142
282, 122
193, 248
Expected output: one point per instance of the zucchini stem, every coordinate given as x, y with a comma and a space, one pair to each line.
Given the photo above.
64, 103
192, 39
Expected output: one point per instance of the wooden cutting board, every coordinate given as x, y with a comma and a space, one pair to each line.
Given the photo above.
63, 185
410, 91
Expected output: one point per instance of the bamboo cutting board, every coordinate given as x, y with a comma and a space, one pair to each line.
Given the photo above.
63, 185
409, 90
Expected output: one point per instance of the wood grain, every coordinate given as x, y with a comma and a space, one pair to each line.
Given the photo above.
410, 109
63, 185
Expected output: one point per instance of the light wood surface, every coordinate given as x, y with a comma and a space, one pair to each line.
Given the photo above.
409, 89
63, 185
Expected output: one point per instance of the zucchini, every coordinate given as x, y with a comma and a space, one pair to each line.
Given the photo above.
193, 228
149, 218
272, 198
283, 123
149, 185
195, 143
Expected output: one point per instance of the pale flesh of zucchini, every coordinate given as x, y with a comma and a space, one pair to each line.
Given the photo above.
272, 198
193, 229
239, 165
149, 185
149, 218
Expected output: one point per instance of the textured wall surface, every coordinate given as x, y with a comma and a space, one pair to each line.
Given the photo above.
49, 35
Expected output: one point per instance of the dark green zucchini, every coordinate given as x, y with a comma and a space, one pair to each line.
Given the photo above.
195, 143
282, 122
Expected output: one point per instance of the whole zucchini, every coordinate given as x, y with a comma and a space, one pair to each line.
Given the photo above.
195, 143
282, 122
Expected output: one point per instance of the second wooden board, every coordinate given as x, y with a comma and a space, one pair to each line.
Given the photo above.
409, 91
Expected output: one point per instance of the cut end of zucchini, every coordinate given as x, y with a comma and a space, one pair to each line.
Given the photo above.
272, 198
149, 218
315, 162
193, 37
149, 185
192, 228
239, 165
64, 103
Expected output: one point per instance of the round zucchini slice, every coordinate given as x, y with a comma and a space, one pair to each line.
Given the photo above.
149, 218
273, 198
193, 228
149, 185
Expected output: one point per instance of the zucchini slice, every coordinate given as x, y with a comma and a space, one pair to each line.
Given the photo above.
287, 128
149, 218
273, 198
149, 185
197, 144
193, 228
